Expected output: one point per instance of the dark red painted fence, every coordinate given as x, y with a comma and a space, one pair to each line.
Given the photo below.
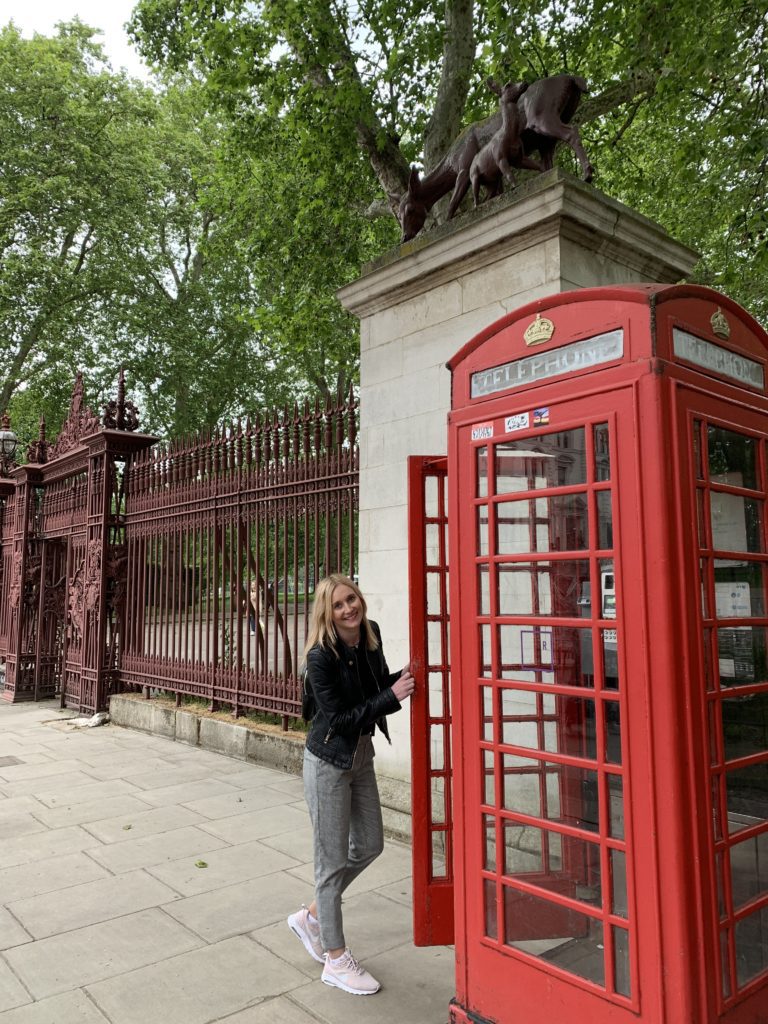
188, 567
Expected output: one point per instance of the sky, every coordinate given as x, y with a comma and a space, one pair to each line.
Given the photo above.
32, 16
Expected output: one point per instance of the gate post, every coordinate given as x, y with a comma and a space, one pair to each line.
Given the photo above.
109, 457
22, 590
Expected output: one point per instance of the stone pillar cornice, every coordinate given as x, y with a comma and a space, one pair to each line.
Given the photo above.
554, 205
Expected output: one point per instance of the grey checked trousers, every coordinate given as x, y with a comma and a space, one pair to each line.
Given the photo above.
348, 832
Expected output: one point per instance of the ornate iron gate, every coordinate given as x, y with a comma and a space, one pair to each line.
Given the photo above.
186, 567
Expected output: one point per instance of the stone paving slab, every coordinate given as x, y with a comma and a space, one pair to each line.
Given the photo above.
278, 938
78, 791
78, 958
297, 843
12, 992
151, 850
28, 758
144, 822
372, 925
223, 867
241, 908
49, 875
293, 788
13, 826
265, 824
16, 772
282, 1010
236, 803
186, 792
197, 988
400, 891
412, 984
165, 775
215, 763
105, 767
68, 1008
393, 865
88, 811
41, 845
14, 745
65, 783
125, 928
90, 903
19, 805
254, 777
11, 932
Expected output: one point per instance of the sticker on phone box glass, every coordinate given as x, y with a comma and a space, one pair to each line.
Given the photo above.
521, 421
482, 431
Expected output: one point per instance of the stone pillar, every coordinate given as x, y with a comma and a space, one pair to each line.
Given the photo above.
419, 303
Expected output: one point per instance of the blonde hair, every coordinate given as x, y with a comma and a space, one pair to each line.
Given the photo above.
321, 628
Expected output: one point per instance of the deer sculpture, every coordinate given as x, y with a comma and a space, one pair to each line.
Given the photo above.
504, 150
547, 107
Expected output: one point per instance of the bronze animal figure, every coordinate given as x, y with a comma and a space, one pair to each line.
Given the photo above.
451, 173
495, 160
548, 106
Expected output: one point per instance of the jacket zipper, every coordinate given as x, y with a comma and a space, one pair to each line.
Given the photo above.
376, 680
360, 684
362, 693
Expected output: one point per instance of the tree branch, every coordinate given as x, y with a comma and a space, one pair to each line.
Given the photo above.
66, 244
379, 146
13, 374
197, 260
640, 84
83, 252
458, 58
169, 262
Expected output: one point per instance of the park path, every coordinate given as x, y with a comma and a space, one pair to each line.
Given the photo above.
145, 882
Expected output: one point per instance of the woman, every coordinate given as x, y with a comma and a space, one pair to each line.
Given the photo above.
353, 691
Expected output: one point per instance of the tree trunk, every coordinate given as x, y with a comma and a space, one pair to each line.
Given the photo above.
458, 57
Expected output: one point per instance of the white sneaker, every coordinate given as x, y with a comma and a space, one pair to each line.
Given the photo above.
347, 974
301, 926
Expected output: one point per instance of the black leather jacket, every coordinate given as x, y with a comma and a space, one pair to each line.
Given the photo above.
342, 709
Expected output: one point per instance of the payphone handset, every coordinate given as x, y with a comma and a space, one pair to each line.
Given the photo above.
608, 601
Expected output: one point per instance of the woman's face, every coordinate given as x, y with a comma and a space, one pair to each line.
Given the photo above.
347, 611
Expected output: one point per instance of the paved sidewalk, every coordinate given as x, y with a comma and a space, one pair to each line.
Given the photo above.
145, 882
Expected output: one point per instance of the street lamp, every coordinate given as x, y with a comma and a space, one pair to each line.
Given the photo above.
8, 443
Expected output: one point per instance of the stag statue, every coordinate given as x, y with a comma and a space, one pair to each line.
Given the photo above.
546, 108
504, 150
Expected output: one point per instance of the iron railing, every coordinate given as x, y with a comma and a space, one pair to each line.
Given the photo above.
186, 567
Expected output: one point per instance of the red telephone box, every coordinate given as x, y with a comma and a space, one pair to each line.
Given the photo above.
607, 808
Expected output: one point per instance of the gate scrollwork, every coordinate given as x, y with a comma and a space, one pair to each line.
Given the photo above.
14, 590
92, 591
75, 600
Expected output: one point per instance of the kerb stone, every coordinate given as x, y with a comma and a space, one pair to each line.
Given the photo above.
282, 753
223, 737
187, 728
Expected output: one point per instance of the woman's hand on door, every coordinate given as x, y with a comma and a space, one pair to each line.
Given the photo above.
405, 685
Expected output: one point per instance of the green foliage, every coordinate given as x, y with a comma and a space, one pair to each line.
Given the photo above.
197, 232
140, 227
676, 122
67, 127
306, 236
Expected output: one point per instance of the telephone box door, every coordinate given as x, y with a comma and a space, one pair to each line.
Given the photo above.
724, 449
431, 804
543, 827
